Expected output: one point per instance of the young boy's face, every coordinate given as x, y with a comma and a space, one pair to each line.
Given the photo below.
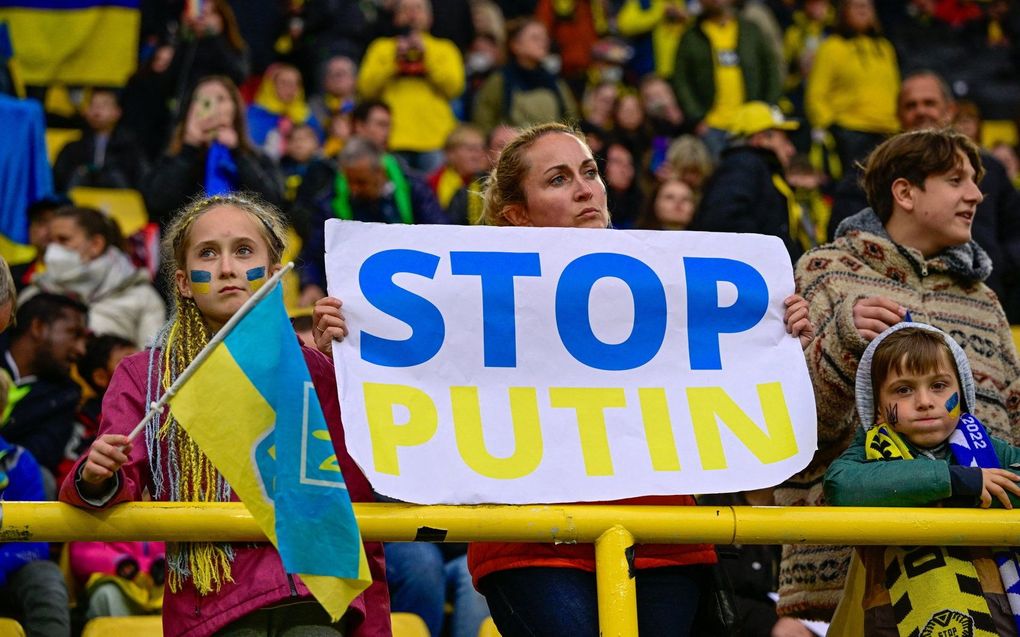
918, 406
302, 145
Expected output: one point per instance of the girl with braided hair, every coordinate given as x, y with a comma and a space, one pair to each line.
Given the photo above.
213, 249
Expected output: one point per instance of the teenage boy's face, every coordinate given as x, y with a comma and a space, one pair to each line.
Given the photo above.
943, 211
917, 406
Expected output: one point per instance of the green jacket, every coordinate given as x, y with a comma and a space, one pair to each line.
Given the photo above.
694, 77
852, 480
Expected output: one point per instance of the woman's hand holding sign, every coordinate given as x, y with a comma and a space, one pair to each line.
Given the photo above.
328, 324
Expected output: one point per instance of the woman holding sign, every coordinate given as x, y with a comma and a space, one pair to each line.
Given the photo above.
219, 250
548, 177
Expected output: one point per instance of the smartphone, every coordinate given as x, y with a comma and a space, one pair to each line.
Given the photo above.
193, 9
205, 108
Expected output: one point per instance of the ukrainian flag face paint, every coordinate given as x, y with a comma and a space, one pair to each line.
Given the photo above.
953, 405
256, 277
201, 281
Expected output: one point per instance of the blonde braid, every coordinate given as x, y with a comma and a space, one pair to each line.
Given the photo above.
190, 476
193, 478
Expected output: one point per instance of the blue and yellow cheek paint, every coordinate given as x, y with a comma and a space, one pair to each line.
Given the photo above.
256, 277
201, 281
953, 405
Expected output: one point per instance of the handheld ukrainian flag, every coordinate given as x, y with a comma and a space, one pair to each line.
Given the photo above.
251, 406
25, 175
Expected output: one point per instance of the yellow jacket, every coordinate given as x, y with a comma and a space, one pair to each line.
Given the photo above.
422, 117
853, 84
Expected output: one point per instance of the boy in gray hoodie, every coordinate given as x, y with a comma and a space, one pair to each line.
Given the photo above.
920, 447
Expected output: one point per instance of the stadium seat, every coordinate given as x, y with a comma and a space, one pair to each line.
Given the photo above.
488, 629
406, 625
135, 625
57, 138
125, 206
291, 282
10, 628
994, 131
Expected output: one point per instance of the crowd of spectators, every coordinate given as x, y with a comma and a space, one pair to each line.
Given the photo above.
265, 97
718, 115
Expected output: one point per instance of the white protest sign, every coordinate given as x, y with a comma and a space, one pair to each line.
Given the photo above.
530, 365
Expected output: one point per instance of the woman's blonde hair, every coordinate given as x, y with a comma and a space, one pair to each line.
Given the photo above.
505, 185
181, 471
8, 291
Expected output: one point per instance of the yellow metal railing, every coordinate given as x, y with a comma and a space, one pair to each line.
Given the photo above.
612, 529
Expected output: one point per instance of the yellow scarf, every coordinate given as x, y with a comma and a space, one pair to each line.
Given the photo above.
297, 111
933, 590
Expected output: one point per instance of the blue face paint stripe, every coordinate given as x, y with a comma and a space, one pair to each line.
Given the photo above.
255, 274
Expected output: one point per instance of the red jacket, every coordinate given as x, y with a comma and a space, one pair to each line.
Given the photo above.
491, 557
259, 578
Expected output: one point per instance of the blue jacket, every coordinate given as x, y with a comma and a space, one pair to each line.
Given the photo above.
20, 480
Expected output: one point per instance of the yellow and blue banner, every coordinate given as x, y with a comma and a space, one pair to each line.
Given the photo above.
80, 42
264, 430
25, 175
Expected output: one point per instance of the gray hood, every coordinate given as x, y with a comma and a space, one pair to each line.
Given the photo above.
865, 392
968, 260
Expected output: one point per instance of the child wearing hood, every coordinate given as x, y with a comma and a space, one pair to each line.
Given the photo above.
920, 447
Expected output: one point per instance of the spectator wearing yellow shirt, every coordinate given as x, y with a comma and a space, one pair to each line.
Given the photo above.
416, 75
852, 88
723, 61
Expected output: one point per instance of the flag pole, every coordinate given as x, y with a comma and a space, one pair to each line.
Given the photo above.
157, 406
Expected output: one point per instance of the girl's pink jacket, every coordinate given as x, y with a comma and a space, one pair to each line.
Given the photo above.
259, 578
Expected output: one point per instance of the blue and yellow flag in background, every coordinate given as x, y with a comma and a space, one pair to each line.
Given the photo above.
25, 175
252, 408
79, 42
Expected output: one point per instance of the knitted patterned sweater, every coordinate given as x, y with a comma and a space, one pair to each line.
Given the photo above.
945, 291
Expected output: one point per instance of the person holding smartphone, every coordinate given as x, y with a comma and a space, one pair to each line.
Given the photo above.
416, 75
210, 152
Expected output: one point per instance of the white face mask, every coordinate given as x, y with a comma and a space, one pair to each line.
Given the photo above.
62, 263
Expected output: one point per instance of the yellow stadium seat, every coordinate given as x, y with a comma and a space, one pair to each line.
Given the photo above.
135, 625
10, 628
488, 629
291, 281
125, 206
406, 625
57, 138
994, 131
